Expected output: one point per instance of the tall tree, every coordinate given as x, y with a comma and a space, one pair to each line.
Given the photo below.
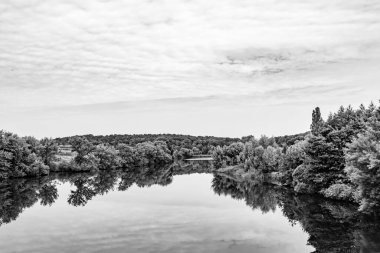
317, 121
363, 165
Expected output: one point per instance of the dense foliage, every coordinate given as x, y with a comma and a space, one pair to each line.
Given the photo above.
27, 156
339, 158
174, 142
21, 157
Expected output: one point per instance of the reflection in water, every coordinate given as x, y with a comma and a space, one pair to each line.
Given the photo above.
48, 194
83, 193
257, 196
18, 194
332, 226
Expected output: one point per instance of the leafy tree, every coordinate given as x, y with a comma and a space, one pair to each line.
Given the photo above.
183, 153
48, 150
218, 157
363, 165
127, 156
18, 157
273, 158
256, 161
107, 157
34, 145
152, 154
265, 141
232, 152
294, 156
83, 148
5, 163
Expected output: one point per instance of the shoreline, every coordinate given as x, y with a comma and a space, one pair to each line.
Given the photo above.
238, 174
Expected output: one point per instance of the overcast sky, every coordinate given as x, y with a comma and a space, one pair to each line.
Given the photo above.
215, 67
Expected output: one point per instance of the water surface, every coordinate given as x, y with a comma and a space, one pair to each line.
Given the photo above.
164, 212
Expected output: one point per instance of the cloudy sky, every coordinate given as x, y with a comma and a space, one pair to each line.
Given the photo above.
216, 67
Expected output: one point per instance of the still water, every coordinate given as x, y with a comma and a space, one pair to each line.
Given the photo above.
164, 212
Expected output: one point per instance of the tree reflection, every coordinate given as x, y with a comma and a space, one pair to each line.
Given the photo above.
17, 195
126, 181
104, 182
257, 196
332, 226
83, 193
48, 194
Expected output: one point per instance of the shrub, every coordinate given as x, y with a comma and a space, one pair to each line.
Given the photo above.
302, 181
339, 192
218, 157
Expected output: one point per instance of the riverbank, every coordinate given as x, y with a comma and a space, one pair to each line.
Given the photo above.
239, 174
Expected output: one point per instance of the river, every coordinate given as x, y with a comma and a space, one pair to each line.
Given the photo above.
165, 212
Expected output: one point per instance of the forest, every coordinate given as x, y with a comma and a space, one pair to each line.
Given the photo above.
339, 158
30, 157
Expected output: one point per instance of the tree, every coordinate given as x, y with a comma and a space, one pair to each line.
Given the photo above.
5, 163
294, 156
18, 157
34, 145
183, 153
152, 154
107, 156
48, 150
324, 161
272, 158
127, 156
232, 152
265, 141
363, 165
83, 148
218, 157
317, 121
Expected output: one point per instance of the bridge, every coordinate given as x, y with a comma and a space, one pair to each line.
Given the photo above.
200, 158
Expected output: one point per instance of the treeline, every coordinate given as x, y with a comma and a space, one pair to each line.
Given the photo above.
339, 158
182, 144
28, 157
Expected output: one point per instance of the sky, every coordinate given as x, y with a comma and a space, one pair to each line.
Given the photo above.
216, 67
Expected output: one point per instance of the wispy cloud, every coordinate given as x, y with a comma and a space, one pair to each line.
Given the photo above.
72, 53
317, 93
